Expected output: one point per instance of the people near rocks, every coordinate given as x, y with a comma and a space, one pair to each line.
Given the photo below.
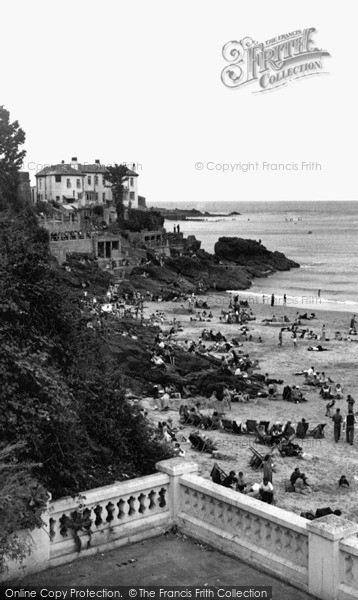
337, 424
266, 491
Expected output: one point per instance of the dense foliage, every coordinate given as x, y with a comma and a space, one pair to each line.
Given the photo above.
61, 387
138, 220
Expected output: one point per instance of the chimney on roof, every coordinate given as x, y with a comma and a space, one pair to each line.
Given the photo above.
74, 163
133, 167
97, 161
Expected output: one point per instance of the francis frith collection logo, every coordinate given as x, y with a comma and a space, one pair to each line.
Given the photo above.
272, 63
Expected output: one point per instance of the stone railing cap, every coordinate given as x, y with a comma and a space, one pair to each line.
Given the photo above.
176, 466
332, 527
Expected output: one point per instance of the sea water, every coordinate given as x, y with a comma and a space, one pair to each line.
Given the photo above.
320, 236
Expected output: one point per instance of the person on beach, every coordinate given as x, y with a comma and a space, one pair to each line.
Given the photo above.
230, 480
348, 425
284, 300
353, 322
294, 339
280, 337
319, 293
272, 299
337, 424
266, 491
241, 483
350, 402
267, 468
329, 406
323, 333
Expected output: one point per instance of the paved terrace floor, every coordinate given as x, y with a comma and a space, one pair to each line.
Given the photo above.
165, 561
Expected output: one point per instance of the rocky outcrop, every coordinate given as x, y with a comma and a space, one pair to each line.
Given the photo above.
258, 261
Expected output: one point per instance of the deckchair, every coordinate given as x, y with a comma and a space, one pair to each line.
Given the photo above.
301, 430
318, 431
257, 459
217, 474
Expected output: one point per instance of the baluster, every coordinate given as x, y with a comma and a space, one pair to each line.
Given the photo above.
278, 540
152, 502
268, 533
143, 503
257, 524
110, 508
348, 569
98, 512
121, 507
162, 497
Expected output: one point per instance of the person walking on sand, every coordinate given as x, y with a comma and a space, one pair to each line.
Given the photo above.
284, 299
323, 333
272, 299
330, 405
337, 424
280, 337
319, 293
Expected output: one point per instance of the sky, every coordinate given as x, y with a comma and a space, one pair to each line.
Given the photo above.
141, 82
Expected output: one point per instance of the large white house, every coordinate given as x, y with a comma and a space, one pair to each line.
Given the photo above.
82, 184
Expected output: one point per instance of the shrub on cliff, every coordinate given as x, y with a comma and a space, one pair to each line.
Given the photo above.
140, 219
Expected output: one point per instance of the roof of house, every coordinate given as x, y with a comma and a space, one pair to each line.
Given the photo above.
67, 169
61, 169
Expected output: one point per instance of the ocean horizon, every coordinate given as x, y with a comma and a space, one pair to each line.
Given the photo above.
320, 236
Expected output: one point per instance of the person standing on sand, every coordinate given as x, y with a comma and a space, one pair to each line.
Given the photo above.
323, 333
284, 300
353, 322
337, 424
267, 468
348, 424
294, 339
319, 293
280, 337
272, 299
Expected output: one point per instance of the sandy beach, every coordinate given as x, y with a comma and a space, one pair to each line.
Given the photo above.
324, 460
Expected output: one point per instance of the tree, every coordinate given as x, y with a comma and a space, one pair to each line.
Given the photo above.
116, 176
11, 158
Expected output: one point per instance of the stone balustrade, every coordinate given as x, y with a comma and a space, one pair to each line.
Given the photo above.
320, 557
348, 568
268, 537
108, 516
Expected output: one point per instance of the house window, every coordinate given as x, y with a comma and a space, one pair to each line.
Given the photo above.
131, 195
104, 196
58, 178
115, 245
68, 183
78, 183
40, 183
131, 182
89, 180
96, 179
100, 250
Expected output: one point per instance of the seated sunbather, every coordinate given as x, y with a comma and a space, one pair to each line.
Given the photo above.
288, 431
266, 491
343, 482
317, 348
230, 480
241, 483
216, 422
